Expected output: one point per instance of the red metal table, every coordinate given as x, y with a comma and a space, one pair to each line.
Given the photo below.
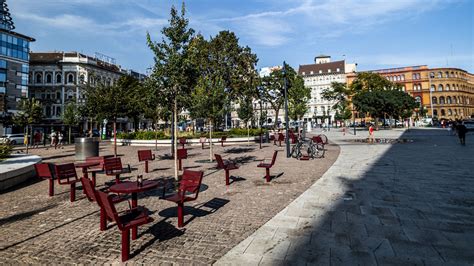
133, 188
85, 166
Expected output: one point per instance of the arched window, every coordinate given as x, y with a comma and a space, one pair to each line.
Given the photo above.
39, 78
435, 112
58, 111
434, 100
448, 100
49, 78
443, 113
440, 74
455, 111
432, 75
418, 76
448, 87
441, 100
433, 88
403, 77
70, 78
447, 74
413, 76
59, 78
455, 100
452, 74
82, 78
440, 87
418, 99
70, 94
48, 111
450, 112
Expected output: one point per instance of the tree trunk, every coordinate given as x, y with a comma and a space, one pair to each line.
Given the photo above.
275, 124
69, 135
173, 132
248, 134
175, 138
115, 137
210, 140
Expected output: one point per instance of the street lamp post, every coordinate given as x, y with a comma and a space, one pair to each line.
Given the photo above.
354, 119
287, 140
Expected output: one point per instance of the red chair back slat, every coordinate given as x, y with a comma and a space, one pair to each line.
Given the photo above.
112, 164
182, 154
43, 171
281, 137
88, 188
224, 138
220, 162
191, 181
274, 157
65, 172
182, 141
98, 159
144, 155
105, 202
317, 139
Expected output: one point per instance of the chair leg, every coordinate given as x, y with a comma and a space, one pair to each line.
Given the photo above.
94, 175
117, 179
72, 197
267, 176
103, 220
146, 166
226, 177
179, 164
51, 187
125, 244
180, 214
202, 145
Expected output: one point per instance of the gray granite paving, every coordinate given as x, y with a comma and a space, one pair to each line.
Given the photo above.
397, 204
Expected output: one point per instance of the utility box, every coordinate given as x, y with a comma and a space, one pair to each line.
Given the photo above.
86, 147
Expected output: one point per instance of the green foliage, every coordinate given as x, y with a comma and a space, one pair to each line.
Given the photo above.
5, 150
245, 111
143, 135
151, 135
272, 91
71, 115
29, 112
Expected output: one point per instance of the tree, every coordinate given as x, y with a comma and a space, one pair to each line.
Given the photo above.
30, 111
298, 97
245, 112
71, 116
113, 101
340, 95
272, 89
173, 70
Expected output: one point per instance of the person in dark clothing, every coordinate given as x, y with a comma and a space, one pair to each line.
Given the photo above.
462, 133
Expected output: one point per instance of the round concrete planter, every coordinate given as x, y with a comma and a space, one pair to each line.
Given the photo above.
16, 169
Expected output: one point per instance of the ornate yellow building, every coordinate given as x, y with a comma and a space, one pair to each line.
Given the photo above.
446, 93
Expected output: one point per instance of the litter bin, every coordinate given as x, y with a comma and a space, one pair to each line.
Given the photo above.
86, 147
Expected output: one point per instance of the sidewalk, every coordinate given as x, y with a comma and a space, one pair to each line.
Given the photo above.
401, 204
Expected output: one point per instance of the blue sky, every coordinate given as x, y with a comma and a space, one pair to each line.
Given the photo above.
373, 33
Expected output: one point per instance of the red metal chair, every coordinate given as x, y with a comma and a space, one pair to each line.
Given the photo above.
227, 166
90, 192
183, 141
66, 175
98, 168
182, 154
113, 167
145, 155
267, 166
188, 190
280, 138
44, 171
223, 139
129, 219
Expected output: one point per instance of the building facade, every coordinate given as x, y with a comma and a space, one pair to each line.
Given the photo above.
445, 93
14, 65
319, 77
57, 78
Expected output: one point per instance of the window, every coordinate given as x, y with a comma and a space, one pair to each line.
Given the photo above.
432, 75
70, 94
39, 78
338, 70
70, 78
49, 78
443, 113
320, 72
448, 100
447, 74
440, 74
441, 100
82, 79
433, 87
434, 100
440, 87
329, 70
58, 110
48, 111
311, 73
3, 64
418, 99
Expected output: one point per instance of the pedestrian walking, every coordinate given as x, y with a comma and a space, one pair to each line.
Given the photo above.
53, 139
462, 130
36, 139
60, 138
371, 134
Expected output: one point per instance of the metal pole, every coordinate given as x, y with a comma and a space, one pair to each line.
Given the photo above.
354, 124
287, 140
431, 98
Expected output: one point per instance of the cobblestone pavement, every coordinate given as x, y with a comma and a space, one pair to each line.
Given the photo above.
35, 228
379, 204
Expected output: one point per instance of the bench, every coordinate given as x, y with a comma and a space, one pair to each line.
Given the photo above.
268, 165
227, 166
125, 220
182, 154
66, 175
113, 167
43, 171
188, 190
145, 156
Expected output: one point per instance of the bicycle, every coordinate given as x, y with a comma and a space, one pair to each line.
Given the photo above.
311, 148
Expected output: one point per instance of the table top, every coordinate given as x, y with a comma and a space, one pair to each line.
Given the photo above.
86, 164
133, 187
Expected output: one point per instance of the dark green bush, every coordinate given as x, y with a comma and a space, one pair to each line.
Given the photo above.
150, 135
5, 150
